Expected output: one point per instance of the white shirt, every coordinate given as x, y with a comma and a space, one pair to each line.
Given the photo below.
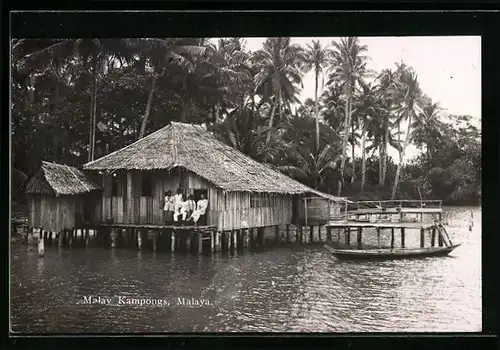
202, 206
168, 204
177, 201
184, 207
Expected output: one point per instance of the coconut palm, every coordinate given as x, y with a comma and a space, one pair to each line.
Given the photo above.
92, 53
308, 166
279, 64
426, 129
368, 112
348, 67
316, 58
407, 95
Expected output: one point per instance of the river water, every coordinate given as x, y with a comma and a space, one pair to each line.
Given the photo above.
292, 288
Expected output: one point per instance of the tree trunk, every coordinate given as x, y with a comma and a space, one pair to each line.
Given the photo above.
363, 158
94, 112
148, 107
400, 165
386, 141
316, 107
271, 119
344, 144
353, 144
93, 108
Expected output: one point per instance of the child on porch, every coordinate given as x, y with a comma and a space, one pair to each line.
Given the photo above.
168, 208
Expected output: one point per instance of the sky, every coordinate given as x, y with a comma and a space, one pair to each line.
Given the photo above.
448, 68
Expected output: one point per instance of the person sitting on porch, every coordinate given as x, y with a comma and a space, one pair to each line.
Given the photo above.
201, 210
168, 208
191, 205
178, 200
183, 210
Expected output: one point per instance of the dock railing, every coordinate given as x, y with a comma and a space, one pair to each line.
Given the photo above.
401, 203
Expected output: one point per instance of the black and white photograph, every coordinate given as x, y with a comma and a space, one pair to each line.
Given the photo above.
245, 184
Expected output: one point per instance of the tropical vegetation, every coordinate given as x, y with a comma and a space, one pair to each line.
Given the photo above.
77, 100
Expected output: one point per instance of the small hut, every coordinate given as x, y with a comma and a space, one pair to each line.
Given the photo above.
241, 192
60, 197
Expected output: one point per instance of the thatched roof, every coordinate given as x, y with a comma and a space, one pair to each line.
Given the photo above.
195, 149
58, 179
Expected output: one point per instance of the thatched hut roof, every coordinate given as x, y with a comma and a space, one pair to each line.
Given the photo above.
59, 179
195, 149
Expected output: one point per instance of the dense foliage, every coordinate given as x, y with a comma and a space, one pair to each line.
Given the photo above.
77, 100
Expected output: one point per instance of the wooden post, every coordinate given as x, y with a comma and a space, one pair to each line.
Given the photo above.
61, 238
338, 234
71, 233
301, 238
155, 239
360, 237
188, 241
45, 236
311, 234
348, 236
402, 237
212, 241
319, 233
235, 240
130, 198
218, 241
247, 235
200, 242
328, 233
114, 234
287, 233
276, 234
124, 237
262, 236
41, 248
251, 238
422, 237
392, 238
440, 239
378, 237
87, 238
172, 241
433, 237
139, 239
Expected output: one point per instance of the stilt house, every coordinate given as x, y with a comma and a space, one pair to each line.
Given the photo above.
61, 197
241, 192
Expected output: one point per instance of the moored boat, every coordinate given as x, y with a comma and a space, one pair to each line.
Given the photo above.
357, 221
389, 254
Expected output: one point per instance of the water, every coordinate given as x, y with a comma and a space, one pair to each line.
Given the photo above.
294, 288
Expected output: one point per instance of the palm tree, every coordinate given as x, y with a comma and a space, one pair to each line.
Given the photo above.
387, 79
426, 129
239, 130
348, 68
93, 53
279, 64
308, 166
407, 95
317, 59
368, 112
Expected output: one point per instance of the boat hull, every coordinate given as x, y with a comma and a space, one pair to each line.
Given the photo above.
390, 254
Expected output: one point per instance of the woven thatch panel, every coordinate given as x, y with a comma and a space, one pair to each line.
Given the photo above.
193, 148
59, 179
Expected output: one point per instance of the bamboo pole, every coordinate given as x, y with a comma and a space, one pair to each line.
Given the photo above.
360, 237
402, 237
422, 238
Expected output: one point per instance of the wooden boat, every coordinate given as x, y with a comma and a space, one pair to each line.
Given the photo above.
389, 254
436, 229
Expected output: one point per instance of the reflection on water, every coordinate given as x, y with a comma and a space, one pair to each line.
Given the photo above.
293, 288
